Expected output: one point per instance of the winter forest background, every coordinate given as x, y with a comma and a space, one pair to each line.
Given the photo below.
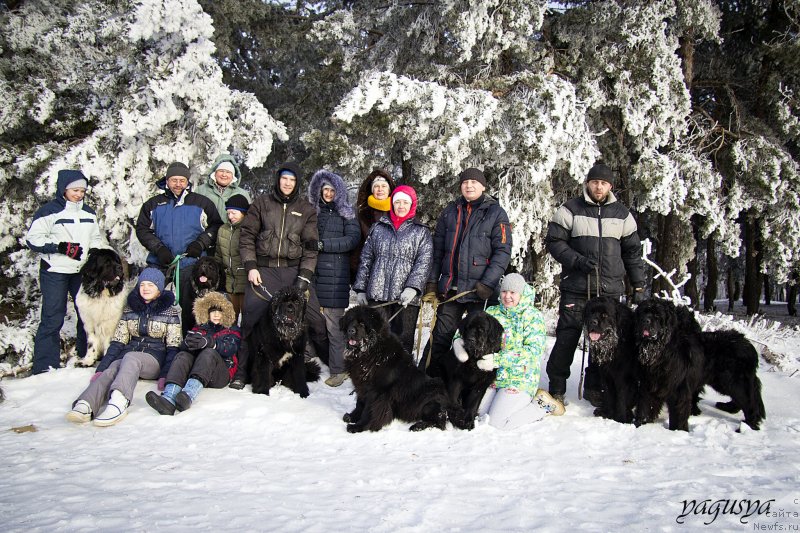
693, 102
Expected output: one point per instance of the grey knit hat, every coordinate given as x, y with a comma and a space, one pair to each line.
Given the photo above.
154, 276
513, 282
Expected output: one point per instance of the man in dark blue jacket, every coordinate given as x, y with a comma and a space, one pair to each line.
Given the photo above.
178, 221
471, 250
594, 238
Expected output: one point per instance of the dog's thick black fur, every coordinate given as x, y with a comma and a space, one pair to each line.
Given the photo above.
466, 383
610, 328
277, 345
101, 300
670, 352
731, 363
387, 383
207, 275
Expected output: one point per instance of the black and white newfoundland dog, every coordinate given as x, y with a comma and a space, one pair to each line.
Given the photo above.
277, 345
467, 380
101, 299
610, 329
678, 360
387, 383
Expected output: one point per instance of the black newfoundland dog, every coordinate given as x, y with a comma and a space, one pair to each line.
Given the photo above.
610, 329
678, 360
671, 356
466, 383
101, 299
278, 343
387, 383
207, 275
731, 363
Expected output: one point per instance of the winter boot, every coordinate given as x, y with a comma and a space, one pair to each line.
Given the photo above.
549, 403
336, 379
190, 392
165, 402
116, 410
81, 412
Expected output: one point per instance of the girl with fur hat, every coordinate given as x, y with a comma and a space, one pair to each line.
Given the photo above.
515, 397
339, 234
146, 340
207, 358
395, 264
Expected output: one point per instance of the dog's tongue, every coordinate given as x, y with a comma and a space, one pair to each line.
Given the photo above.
203, 279
352, 342
646, 333
594, 336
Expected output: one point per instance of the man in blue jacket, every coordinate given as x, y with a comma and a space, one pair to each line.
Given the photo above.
471, 250
595, 239
178, 221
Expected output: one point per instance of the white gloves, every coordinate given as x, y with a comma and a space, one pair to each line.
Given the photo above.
458, 349
406, 296
487, 362
361, 298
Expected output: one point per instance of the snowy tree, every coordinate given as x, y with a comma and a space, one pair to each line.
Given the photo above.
118, 89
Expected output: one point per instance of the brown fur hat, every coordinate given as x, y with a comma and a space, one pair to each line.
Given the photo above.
203, 305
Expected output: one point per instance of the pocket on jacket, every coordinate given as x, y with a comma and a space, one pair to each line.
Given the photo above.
479, 260
295, 246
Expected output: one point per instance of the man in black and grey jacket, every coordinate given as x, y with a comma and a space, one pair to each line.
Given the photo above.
595, 239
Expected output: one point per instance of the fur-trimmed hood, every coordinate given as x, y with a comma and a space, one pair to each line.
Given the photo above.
341, 201
214, 299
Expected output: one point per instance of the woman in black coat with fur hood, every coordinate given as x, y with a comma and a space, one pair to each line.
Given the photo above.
339, 234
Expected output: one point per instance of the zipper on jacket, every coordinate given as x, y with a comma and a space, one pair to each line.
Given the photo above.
599, 272
230, 254
280, 237
455, 241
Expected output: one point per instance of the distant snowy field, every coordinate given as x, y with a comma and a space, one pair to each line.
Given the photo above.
240, 462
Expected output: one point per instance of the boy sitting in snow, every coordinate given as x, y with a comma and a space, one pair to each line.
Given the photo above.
207, 357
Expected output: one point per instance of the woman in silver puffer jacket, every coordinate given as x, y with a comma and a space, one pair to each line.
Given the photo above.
395, 263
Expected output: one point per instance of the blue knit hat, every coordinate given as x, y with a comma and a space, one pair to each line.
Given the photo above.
154, 276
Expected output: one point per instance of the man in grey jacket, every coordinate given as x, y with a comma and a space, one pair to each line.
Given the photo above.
595, 239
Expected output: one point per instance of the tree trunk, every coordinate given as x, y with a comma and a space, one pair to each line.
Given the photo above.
693, 266
791, 294
732, 291
767, 290
665, 250
712, 275
752, 264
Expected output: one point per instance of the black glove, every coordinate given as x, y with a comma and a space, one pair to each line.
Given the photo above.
638, 295
313, 245
484, 292
195, 249
586, 265
195, 340
165, 256
72, 250
303, 279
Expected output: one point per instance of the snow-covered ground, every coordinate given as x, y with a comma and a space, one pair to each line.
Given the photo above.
240, 462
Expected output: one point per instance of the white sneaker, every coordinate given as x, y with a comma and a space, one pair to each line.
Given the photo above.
548, 403
81, 412
116, 410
